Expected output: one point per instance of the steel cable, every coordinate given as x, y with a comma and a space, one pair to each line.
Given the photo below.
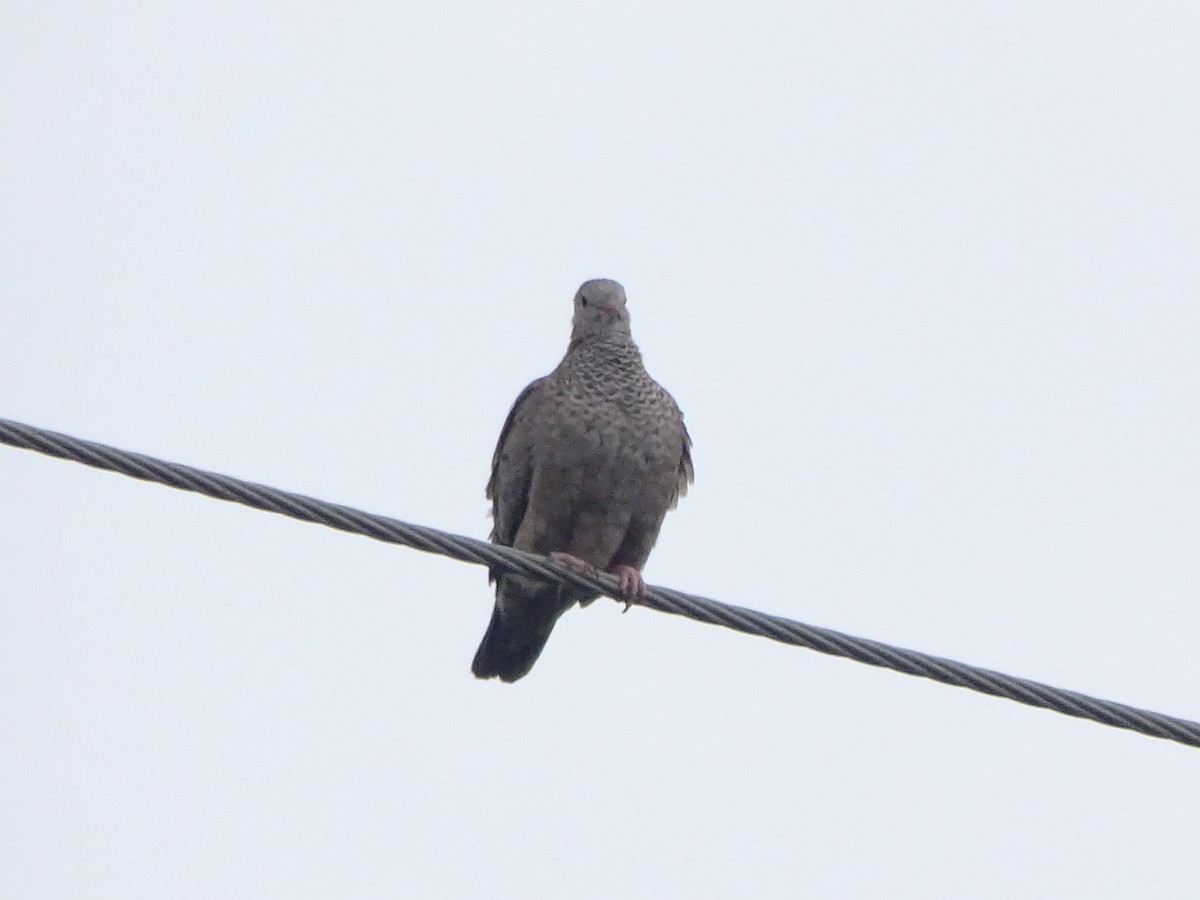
702, 609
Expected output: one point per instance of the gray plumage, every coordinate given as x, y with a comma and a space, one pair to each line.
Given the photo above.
589, 461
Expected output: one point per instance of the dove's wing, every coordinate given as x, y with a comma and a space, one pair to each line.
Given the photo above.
512, 467
687, 472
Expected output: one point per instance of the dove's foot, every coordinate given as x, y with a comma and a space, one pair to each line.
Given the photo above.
574, 563
631, 585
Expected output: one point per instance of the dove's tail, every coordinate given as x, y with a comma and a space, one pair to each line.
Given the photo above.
522, 620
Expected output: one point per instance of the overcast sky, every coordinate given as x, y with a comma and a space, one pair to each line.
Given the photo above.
925, 280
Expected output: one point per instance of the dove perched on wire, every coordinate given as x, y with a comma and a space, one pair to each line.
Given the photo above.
589, 461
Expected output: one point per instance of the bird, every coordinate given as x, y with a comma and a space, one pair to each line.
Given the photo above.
589, 461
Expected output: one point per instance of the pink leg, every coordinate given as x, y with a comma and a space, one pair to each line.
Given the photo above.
632, 587
573, 562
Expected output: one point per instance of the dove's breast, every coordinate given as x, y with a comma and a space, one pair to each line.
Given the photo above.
618, 446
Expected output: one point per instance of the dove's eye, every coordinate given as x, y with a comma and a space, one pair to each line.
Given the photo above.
583, 301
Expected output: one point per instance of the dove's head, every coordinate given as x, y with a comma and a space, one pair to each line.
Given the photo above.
600, 311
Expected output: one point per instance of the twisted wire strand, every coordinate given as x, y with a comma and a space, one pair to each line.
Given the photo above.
702, 609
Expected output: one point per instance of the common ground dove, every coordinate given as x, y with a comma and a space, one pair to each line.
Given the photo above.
589, 461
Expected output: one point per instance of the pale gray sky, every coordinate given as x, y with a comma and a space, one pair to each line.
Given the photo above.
924, 279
